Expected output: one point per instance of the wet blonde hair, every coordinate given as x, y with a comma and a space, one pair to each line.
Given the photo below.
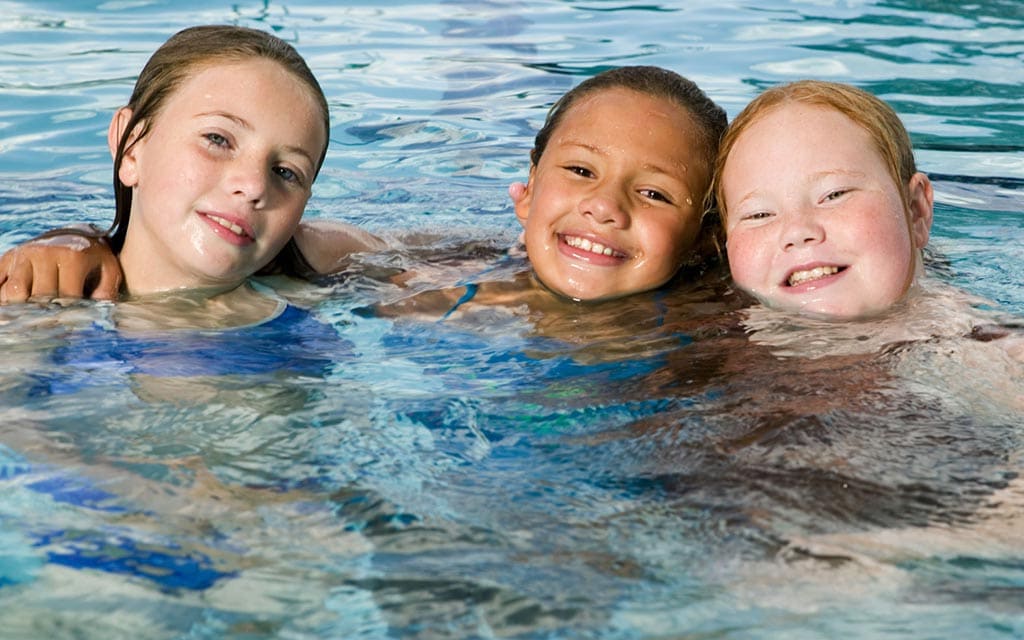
869, 112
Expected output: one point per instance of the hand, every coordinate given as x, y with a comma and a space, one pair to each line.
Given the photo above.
66, 264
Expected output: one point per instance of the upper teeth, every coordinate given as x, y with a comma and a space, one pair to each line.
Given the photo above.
587, 245
227, 224
799, 277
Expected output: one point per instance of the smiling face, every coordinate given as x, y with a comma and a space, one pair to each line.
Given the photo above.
815, 222
613, 205
221, 178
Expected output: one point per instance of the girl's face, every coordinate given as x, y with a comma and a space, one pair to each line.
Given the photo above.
613, 206
221, 178
815, 222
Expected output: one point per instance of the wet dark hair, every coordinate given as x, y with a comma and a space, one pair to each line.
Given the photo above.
183, 54
710, 120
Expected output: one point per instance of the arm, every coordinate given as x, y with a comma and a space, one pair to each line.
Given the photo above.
73, 262
77, 262
326, 244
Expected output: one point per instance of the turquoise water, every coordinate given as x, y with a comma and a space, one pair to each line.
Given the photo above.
626, 470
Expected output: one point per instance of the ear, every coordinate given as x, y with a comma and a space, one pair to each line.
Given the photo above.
522, 197
128, 173
920, 209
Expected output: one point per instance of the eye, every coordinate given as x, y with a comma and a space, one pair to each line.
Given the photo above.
288, 175
652, 194
757, 215
835, 195
216, 139
583, 172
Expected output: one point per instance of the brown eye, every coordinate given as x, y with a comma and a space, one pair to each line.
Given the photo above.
655, 195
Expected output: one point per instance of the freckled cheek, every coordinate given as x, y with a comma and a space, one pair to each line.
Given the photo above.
284, 226
745, 262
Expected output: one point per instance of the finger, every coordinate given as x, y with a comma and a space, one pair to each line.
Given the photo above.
104, 283
70, 281
44, 280
5, 266
18, 283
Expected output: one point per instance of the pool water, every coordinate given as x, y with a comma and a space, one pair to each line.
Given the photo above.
634, 469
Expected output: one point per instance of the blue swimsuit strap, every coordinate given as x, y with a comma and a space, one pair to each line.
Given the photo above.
471, 289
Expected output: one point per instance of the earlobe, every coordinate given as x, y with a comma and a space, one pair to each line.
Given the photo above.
920, 207
127, 173
522, 196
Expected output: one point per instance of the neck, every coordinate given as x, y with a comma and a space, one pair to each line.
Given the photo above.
145, 274
196, 309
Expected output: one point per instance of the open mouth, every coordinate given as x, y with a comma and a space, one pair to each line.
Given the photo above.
227, 224
589, 246
810, 275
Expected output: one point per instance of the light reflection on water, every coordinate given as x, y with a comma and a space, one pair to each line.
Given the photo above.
626, 470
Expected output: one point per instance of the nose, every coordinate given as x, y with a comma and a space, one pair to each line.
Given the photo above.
802, 228
248, 179
605, 208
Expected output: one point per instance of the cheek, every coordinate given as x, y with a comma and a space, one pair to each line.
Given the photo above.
542, 207
675, 237
283, 226
889, 242
537, 231
744, 259
896, 263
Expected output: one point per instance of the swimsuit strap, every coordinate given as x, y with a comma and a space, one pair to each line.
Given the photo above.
269, 292
471, 289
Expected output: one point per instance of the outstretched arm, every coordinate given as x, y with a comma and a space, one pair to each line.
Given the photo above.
73, 262
326, 245
77, 262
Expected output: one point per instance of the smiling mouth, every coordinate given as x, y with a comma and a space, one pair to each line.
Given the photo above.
817, 273
227, 224
592, 247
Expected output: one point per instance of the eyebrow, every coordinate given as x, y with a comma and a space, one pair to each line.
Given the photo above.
650, 167
750, 195
817, 175
588, 147
242, 122
813, 177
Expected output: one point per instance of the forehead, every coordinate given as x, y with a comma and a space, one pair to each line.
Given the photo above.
615, 111
256, 90
810, 125
221, 79
633, 127
801, 133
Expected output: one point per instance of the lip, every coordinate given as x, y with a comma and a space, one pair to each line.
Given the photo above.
812, 276
590, 248
231, 228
